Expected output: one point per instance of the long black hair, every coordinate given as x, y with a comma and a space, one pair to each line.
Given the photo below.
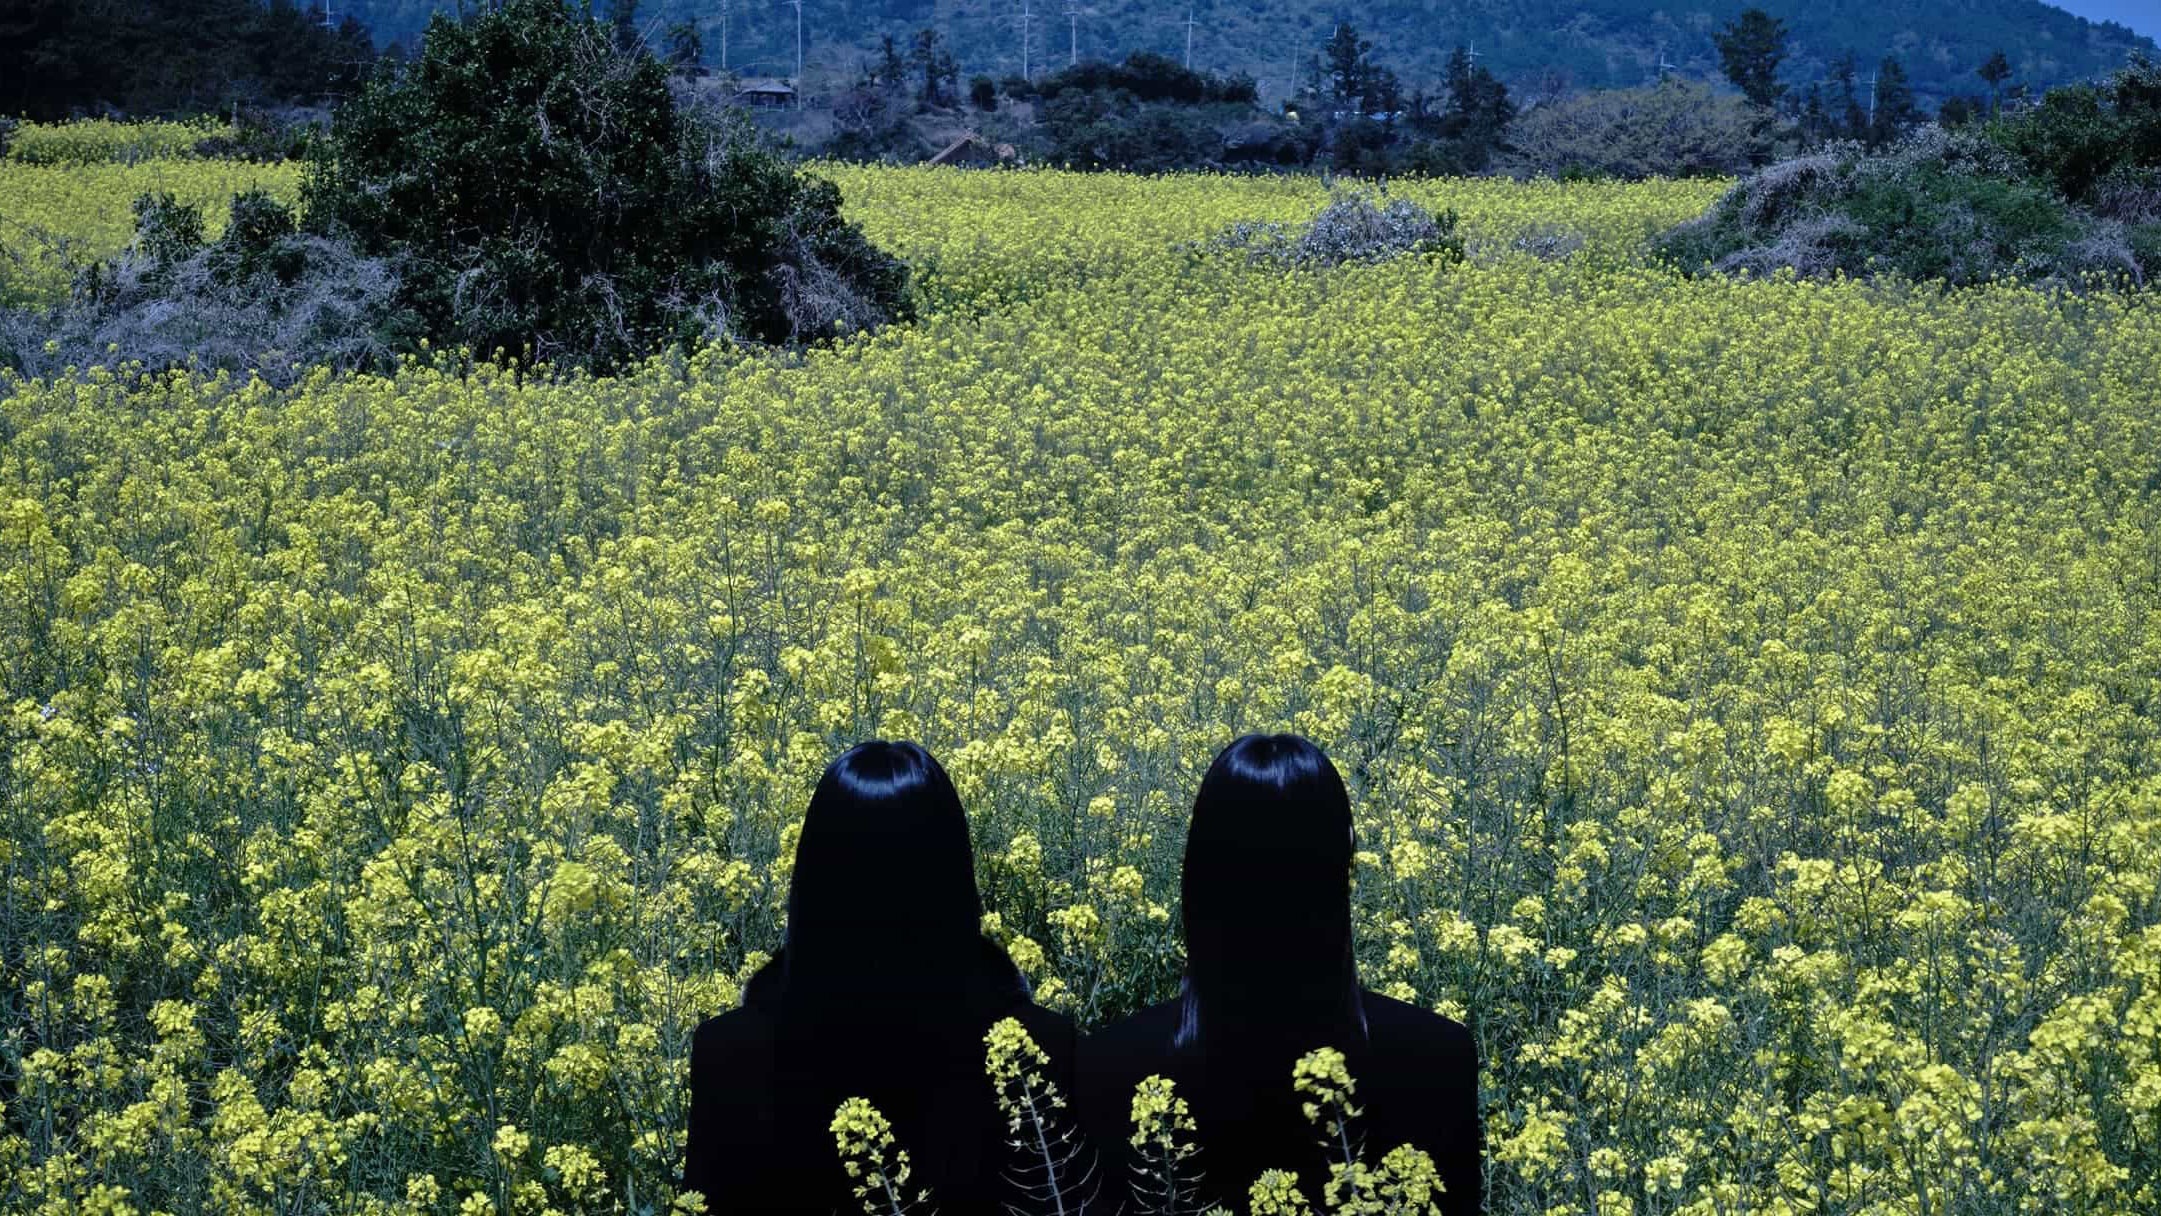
1266, 894
883, 915
883, 987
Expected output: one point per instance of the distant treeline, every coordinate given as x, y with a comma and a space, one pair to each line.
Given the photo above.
1588, 44
64, 57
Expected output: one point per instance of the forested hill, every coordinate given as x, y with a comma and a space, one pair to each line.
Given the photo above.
59, 57
1593, 43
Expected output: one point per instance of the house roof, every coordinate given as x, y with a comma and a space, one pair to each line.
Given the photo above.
765, 84
953, 151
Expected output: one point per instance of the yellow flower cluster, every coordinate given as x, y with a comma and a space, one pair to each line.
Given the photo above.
1405, 1182
1748, 691
91, 141
1015, 1064
55, 218
986, 240
877, 1164
1162, 1122
1322, 1077
1276, 1193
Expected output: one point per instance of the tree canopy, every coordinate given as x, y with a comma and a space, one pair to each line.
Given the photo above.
1750, 50
538, 188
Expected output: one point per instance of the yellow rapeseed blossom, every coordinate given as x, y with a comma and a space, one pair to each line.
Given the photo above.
1276, 1193
95, 140
1747, 688
876, 1163
56, 217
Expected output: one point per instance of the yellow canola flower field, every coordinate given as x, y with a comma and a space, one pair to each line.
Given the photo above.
1748, 691
98, 140
56, 218
985, 239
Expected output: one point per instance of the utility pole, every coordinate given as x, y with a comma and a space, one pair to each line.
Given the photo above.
1072, 17
798, 53
1190, 23
724, 36
1663, 66
1025, 17
1872, 102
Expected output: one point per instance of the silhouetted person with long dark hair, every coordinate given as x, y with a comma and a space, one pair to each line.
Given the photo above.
1269, 977
884, 990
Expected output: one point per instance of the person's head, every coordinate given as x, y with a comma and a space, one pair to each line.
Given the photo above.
1266, 897
883, 902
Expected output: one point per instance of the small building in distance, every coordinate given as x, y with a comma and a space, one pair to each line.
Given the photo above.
765, 91
972, 150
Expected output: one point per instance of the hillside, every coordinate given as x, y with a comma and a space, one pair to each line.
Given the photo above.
1594, 43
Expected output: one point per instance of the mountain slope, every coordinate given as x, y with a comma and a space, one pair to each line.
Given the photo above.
1584, 43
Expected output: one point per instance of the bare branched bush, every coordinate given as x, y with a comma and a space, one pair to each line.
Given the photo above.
2131, 196
264, 299
1353, 227
1939, 205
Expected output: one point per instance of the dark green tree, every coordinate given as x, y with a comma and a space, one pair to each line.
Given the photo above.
1814, 119
1751, 49
1895, 109
1478, 112
1349, 60
1849, 117
1382, 92
686, 48
935, 64
2082, 136
534, 187
1995, 72
892, 66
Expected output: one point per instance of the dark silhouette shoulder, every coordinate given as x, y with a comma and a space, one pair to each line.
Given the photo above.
1423, 1048
1416, 1077
752, 1149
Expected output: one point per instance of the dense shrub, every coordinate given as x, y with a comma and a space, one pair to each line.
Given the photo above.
2081, 137
262, 298
1262, 142
1148, 77
538, 188
1112, 130
1673, 129
1946, 205
1353, 227
1147, 114
268, 136
166, 230
1363, 147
